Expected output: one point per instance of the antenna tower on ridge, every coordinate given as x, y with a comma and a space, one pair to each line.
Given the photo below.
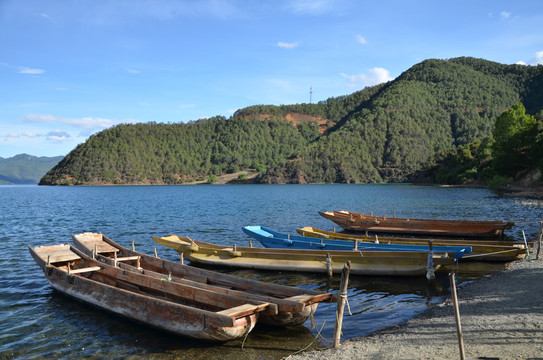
310, 94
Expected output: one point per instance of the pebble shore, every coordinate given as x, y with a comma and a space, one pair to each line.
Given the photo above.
501, 318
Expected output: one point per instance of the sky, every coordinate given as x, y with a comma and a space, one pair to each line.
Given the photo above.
71, 68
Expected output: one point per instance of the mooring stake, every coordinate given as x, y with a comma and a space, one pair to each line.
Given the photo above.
341, 302
430, 273
526, 244
329, 269
457, 316
540, 239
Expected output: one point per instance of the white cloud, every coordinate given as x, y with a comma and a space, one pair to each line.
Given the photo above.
361, 39
536, 60
375, 76
287, 45
55, 135
505, 15
30, 134
58, 136
310, 7
132, 71
87, 123
30, 71
162, 10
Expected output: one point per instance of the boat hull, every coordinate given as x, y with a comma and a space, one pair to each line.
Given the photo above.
387, 263
481, 250
458, 228
293, 306
155, 312
273, 239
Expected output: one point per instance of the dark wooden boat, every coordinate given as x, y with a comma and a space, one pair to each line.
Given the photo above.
183, 310
481, 250
394, 263
293, 306
456, 228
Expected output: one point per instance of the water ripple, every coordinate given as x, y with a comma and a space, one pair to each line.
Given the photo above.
37, 322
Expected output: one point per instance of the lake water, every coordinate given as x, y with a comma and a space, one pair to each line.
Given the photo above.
39, 322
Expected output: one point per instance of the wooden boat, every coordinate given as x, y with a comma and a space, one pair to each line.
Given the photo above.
181, 309
293, 306
273, 239
396, 263
458, 228
481, 250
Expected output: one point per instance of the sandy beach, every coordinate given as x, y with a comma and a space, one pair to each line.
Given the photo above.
501, 318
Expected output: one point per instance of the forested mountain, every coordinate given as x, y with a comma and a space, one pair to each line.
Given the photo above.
179, 153
382, 133
25, 169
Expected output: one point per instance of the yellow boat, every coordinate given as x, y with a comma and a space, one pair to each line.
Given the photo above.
481, 250
394, 263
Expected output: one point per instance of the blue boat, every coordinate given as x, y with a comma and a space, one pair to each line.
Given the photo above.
273, 239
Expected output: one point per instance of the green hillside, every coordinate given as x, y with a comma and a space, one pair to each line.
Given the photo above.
25, 169
384, 133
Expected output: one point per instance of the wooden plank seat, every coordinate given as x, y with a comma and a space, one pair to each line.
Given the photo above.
57, 254
84, 270
102, 247
128, 258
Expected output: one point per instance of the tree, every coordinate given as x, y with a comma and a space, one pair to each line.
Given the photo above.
515, 135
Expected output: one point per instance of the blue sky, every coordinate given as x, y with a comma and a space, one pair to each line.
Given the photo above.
70, 68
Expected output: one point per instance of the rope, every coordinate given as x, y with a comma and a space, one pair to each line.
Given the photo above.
487, 254
244, 339
311, 315
344, 295
316, 336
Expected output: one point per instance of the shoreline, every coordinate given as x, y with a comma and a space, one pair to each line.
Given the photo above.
501, 318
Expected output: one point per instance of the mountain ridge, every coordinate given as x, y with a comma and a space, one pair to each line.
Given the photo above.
383, 133
25, 169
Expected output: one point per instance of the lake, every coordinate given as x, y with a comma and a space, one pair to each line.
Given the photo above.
39, 322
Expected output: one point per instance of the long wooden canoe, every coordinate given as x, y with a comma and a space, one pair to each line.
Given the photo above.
183, 310
293, 306
274, 239
396, 263
458, 228
481, 250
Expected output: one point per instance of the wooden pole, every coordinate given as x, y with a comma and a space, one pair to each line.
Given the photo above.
430, 271
329, 268
526, 244
539, 241
457, 316
341, 302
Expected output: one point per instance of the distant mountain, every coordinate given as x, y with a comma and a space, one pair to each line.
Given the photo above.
384, 133
25, 169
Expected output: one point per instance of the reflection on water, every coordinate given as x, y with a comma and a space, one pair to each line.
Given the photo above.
38, 322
